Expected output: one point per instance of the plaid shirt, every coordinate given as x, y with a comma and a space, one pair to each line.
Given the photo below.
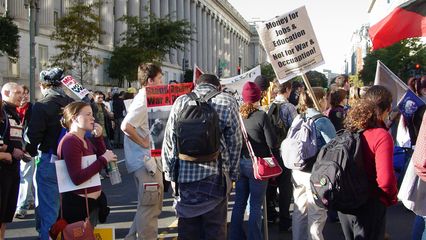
231, 141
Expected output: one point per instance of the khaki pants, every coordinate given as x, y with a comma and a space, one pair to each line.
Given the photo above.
150, 203
308, 219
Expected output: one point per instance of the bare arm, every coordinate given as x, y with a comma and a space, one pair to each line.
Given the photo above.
131, 132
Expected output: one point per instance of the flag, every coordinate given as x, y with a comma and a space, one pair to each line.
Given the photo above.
197, 73
405, 21
388, 79
409, 104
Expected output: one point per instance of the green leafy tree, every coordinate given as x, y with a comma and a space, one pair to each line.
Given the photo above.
267, 71
146, 40
317, 79
9, 38
77, 34
400, 58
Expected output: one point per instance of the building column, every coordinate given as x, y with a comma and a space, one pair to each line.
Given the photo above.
144, 8
46, 14
180, 8
155, 7
120, 26
204, 39
164, 11
215, 35
187, 17
107, 24
209, 43
172, 11
17, 9
133, 7
194, 34
227, 45
199, 43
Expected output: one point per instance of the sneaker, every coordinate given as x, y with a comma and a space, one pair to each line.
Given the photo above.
102, 177
20, 215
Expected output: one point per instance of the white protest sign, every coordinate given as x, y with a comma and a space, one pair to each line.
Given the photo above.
65, 183
74, 86
291, 45
235, 84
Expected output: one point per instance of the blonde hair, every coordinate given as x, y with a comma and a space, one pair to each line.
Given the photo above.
246, 109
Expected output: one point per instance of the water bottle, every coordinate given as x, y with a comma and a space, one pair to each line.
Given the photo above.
114, 173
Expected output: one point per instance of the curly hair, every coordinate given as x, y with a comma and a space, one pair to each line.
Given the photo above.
246, 109
362, 115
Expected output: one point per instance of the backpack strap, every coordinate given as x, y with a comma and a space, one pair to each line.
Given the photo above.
210, 95
316, 117
192, 96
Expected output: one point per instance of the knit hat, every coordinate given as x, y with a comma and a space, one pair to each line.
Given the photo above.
262, 82
251, 92
52, 76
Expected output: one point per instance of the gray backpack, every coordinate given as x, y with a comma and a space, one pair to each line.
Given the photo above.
300, 146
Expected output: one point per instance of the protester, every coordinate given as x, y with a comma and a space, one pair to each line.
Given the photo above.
309, 219
26, 195
263, 141
203, 194
78, 119
296, 89
137, 153
10, 153
368, 222
44, 130
342, 82
103, 116
337, 112
263, 83
282, 113
119, 111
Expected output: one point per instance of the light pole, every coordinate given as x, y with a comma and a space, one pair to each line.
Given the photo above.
32, 6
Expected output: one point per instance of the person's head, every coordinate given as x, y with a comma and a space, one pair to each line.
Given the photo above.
149, 74
78, 115
251, 99
98, 97
51, 78
284, 89
342, 81
25, 95
371, 111
263, 83
208, 78
306, 101
12, 93
337, 97
422, 87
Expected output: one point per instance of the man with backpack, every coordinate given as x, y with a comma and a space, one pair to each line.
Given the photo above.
201, 153
281, 113
44, 130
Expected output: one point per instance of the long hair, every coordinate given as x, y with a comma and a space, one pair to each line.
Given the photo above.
246, 109
365, 113
70, 111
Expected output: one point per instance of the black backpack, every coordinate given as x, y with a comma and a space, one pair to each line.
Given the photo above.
198, 130
338, 179
278, 125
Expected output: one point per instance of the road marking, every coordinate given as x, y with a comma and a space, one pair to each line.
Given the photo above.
164, 234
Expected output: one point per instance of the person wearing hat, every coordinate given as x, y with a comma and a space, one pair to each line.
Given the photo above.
263, 83
263, 141
43, 133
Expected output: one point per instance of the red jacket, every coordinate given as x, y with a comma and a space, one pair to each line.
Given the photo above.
378, 161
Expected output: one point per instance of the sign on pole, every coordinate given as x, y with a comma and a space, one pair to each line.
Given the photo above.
74, 86
291, 45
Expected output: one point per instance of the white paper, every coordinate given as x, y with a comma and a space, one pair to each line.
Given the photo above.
74, 86
65, 183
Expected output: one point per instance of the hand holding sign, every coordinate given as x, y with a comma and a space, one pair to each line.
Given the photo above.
74, 86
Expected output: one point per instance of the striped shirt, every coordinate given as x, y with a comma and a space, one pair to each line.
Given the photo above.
231, 140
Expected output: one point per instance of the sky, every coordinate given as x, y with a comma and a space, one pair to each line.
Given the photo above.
333, 21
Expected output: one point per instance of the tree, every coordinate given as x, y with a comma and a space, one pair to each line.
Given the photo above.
9, 38
317, 79
400, 58
77, 34
267, 71
146, 40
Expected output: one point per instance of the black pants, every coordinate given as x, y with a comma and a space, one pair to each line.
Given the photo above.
366, 223
74, 208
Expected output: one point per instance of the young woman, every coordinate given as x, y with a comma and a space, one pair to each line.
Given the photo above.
78, 119
263, 141
337, 112
369, 115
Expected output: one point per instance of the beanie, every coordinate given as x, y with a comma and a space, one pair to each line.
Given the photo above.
251, 92
262, 82
52, 76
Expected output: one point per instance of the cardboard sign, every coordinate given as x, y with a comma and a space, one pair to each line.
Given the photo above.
291, 45
234, 85
74, 86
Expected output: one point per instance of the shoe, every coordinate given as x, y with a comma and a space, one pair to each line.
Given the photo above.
101, 177
20, 215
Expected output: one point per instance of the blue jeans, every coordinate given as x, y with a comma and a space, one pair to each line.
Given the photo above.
26, 186
47, 196
424, 231
418, 228
247, 186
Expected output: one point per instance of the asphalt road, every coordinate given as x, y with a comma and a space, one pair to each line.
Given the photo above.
122, 199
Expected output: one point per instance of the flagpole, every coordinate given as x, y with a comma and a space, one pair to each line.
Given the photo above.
311, 91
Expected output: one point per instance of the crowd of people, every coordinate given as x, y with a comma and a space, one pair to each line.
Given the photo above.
203, 155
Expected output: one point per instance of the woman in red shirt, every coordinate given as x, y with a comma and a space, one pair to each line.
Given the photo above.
369, 115
78, 119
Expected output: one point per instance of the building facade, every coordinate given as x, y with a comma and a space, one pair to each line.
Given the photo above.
360, 45
222, 38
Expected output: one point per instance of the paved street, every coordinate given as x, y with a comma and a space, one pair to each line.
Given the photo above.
122, 200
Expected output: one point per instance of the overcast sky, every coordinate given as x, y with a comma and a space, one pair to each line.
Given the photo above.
333, 22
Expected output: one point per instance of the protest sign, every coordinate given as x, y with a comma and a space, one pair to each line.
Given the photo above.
160, 99
234, 85
291, 45
74, 86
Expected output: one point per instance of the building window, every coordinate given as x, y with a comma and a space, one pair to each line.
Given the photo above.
43, 56
55, 18
13, 69
106, 79
166, 77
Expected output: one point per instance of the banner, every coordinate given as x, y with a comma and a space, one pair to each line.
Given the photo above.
160, 100
74, 86
234, 85
291, 45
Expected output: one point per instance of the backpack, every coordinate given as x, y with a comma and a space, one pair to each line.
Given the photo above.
198, 130
338, 180
278, 125
300, 147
